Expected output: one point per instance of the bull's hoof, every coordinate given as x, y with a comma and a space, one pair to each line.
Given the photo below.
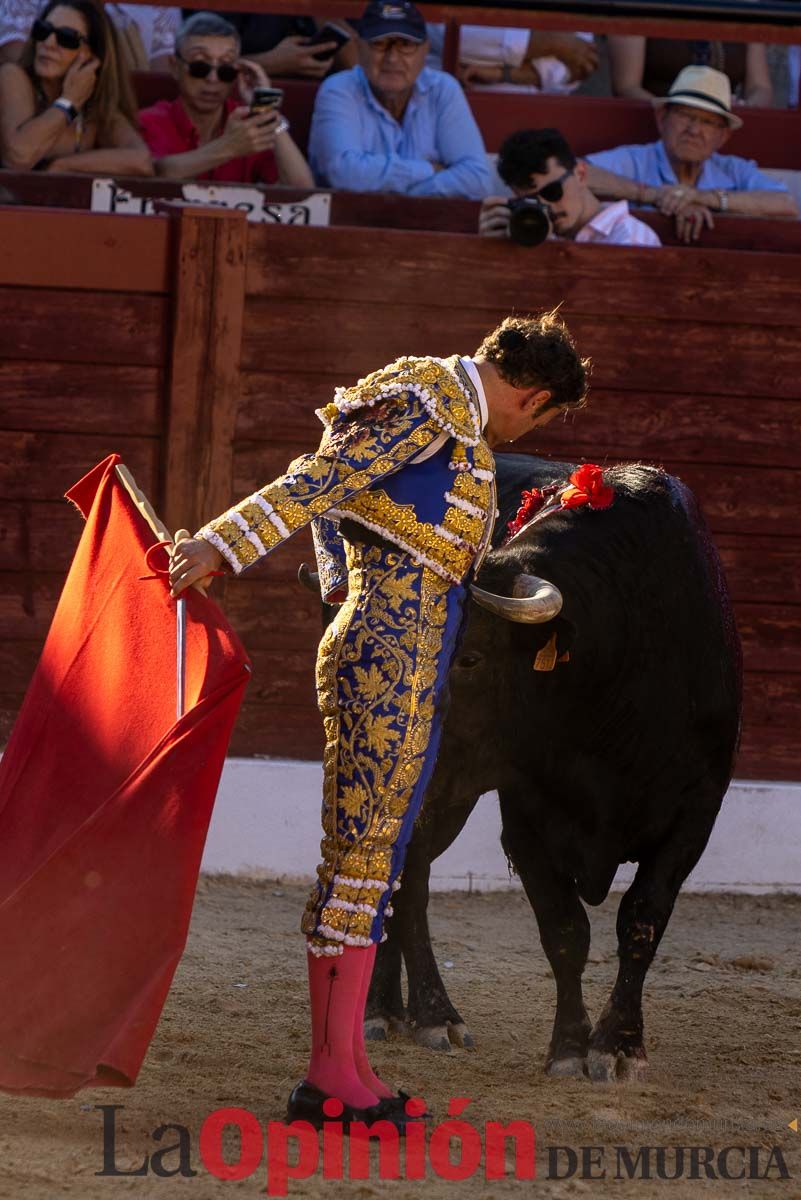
433, 1037
602, 1067
461, 1036
376, 1029
566, 1068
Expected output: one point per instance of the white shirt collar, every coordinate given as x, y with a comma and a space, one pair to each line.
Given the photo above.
475, 379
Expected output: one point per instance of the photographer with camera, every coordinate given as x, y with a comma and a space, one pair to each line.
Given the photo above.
207, 133
552, 199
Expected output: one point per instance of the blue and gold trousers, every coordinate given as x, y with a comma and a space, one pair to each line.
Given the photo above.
382, 670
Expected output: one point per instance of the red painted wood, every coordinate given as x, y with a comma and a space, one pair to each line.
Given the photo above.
83, 327
56, 397
56, 249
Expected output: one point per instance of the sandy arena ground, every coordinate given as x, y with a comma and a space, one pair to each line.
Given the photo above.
723, 1017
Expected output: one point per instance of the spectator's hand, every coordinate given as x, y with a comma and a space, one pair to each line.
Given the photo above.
493, 220
294, 56
468, 73
579, 56
691, 220
80, 80
245, 134
192, 561
672, 198
251, 75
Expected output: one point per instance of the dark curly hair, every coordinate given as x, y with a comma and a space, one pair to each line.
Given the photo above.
527, 152
539, 352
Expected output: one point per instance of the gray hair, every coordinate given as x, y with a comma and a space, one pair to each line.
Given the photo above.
206, 24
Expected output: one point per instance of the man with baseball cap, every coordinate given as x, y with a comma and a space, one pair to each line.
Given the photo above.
392, 124
683, 174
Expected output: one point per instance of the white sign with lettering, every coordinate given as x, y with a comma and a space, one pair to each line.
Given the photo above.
108, 196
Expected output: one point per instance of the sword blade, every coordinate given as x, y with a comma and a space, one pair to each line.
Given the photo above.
180, 640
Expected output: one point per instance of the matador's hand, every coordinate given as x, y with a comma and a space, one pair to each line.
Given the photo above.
192, 561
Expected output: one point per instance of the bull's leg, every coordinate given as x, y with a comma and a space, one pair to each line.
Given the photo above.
616, 1049
564, 933
434, 1018
384, 1010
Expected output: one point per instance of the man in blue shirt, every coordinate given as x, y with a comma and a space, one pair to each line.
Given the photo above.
683, 175
392, 124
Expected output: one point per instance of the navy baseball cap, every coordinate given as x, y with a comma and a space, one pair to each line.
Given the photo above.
392, 18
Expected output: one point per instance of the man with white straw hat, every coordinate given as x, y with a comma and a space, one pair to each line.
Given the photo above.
683, 174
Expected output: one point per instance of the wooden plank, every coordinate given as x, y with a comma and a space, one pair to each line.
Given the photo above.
38, 535
203, 393
294, 263
55, 397
80, 251
286, 730
644, 352
82, 327
761, 568
42, 466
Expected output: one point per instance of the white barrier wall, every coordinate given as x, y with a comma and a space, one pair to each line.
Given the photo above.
267, 822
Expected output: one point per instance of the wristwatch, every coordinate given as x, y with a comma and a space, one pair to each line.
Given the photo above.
67, 107
723, 200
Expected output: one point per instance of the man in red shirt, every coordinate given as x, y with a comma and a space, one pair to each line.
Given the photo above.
206, 133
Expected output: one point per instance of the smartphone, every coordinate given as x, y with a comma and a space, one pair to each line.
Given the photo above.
266, 98
329, 33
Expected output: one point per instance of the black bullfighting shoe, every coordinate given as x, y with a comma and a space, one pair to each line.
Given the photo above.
306, 1104
398, 1103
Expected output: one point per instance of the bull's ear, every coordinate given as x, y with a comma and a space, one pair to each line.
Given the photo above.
529, 640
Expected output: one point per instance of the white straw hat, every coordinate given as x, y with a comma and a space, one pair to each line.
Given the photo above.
702, 87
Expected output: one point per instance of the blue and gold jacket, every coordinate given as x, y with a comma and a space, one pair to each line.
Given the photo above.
403, 455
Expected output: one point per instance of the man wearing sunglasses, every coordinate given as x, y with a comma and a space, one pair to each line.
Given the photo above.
207, 133
539, 162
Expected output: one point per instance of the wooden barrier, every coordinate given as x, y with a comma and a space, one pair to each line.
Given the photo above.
199, 348
386, 210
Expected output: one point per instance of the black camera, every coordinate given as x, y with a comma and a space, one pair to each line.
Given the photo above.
529, 221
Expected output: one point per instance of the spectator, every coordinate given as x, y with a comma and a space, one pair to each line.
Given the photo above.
67, 106
683, 174
518, 60
539, 162
642, 68
280, 44
146, 35
392, 124
206, 133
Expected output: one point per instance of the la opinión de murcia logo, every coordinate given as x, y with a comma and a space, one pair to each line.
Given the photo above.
454, 1149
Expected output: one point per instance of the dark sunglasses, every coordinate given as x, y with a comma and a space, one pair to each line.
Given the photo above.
68, 39
552, 192
198, 68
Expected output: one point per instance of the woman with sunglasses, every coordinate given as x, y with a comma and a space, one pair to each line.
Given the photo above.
208, 132
67, 106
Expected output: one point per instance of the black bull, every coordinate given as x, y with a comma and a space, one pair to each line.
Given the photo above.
621, 752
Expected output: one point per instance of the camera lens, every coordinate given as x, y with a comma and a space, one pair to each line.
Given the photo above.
529, 223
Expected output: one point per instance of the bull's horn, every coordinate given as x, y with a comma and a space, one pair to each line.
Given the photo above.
309, 579
532, 602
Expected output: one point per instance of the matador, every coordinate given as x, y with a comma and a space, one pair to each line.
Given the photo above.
400, 495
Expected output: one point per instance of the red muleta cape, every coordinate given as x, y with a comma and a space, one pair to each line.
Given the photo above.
105, 801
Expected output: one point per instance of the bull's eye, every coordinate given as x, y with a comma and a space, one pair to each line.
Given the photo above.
466, 662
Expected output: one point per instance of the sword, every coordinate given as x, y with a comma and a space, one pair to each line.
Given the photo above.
180, 646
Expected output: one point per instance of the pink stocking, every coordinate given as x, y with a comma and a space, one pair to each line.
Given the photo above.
335, 989
366, 1072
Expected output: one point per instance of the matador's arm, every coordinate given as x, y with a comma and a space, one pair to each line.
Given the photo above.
357, 449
